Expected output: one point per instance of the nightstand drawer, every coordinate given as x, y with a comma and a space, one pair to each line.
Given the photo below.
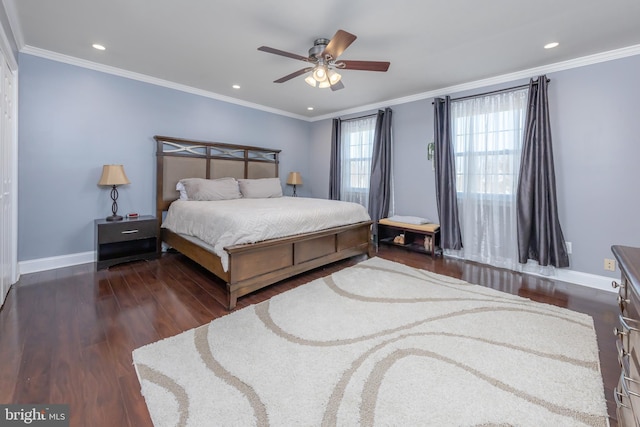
127, 230
127, 240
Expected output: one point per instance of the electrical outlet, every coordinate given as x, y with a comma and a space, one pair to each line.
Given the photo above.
610, 264
569, 247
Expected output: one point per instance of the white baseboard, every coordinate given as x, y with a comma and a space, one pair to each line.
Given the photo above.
579, 278
586, 279
42, 264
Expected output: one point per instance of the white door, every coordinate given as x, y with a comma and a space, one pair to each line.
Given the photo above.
8, 166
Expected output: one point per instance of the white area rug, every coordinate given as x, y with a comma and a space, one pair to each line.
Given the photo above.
384, 344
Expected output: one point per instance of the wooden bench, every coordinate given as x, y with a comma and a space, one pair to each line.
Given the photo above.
423, 238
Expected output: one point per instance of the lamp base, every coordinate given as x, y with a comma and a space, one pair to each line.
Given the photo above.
114, 206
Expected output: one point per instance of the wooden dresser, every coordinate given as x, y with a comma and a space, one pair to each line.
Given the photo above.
627, 393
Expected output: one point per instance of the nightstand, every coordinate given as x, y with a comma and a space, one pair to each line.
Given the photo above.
126, 240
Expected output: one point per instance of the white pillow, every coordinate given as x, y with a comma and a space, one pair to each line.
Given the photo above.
260, 188
409, 219
201, 189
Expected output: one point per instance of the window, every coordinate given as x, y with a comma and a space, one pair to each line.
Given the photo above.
487, 139
487, 133
357, 149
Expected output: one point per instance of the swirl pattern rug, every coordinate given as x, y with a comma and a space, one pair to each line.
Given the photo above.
382, 344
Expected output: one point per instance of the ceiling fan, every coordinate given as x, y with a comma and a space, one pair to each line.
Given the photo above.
323, 60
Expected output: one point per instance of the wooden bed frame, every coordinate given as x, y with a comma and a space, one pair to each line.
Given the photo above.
251, 266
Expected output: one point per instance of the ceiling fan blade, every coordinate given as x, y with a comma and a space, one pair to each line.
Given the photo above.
363, 65
337, 86
340, 41
283, 53
292, 75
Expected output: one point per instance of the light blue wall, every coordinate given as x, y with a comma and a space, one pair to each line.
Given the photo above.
73, 120
595, 114
596, 131
320, 151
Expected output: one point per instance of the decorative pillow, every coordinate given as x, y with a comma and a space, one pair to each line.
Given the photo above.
182, 190
409, 219
211, 189
260, 188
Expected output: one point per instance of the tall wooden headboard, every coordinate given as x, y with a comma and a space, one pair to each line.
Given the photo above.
178, 158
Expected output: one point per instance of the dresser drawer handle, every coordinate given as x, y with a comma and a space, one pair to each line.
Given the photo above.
624, 321
621, 351
129, 231
631, 380
625, 389
622, 301
616, 396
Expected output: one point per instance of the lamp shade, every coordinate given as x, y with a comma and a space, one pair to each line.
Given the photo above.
113, 175
294, 178
320, 73
310, 81
334, 77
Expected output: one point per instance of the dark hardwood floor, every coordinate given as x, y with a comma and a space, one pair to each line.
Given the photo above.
66, 335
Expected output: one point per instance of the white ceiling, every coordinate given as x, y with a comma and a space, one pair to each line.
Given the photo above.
210, 45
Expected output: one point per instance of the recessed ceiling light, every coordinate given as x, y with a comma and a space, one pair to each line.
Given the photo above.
98, 46
551, 45
310, 108
236, 86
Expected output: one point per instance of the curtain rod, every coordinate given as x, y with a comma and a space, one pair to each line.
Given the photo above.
361, 117
494, 91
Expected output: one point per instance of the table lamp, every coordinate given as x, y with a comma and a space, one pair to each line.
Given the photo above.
294, 179
112, 176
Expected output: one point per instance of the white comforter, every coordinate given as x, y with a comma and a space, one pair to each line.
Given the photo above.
229, 222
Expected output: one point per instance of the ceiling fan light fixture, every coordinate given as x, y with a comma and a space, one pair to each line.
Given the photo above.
334, 77
310, 80
322, 62
320, 73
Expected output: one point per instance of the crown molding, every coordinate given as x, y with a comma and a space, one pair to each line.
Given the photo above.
8, 53
14, 21
5, 33
504, 78
71, 60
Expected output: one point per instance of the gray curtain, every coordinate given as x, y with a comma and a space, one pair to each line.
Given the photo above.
450, 236
380, 179
540, 236
335, 170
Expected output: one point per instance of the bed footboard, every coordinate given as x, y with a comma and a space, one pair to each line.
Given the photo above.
254, 266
